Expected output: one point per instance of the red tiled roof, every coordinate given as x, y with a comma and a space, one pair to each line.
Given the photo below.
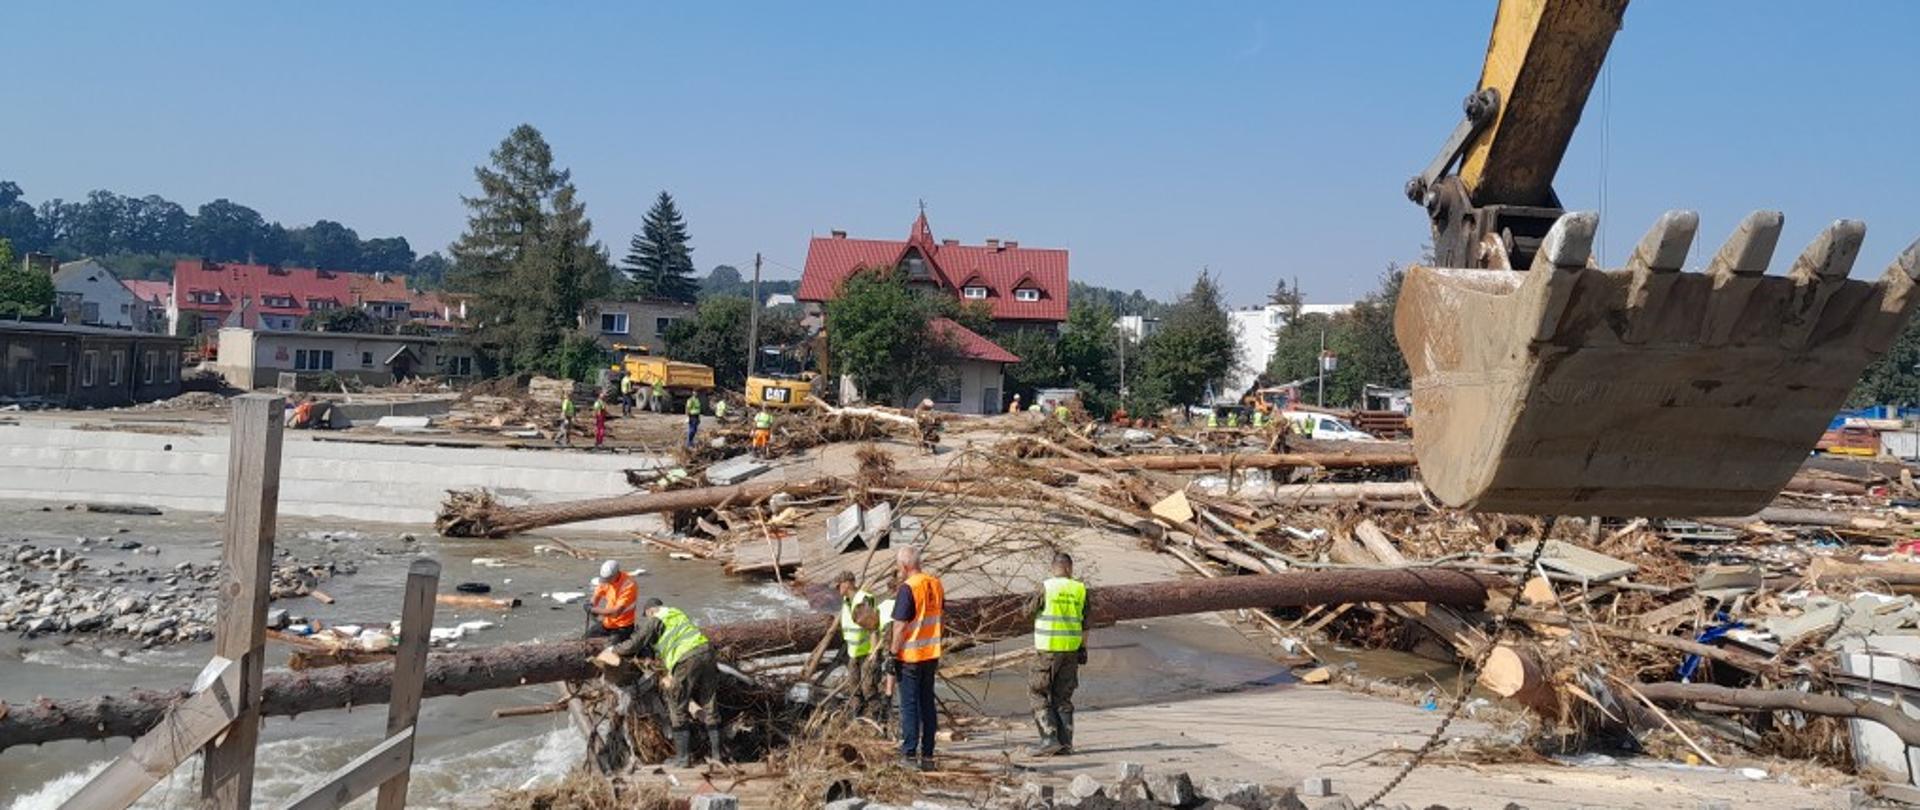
255, 283
831, 259
969, 343
152, 292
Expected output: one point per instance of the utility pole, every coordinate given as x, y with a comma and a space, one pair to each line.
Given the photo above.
1320, 388
753, 319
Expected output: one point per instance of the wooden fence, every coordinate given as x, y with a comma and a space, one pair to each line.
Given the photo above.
221, 716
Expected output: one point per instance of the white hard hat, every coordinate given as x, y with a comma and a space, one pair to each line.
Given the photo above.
608, 569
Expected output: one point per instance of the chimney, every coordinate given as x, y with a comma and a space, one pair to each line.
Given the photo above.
949, 242
993, 243
839, 234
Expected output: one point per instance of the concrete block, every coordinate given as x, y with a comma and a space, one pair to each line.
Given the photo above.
1085, 787
875, 524
404, 422
277, 619
908, 530
1335, 803
735, 470
1174, 788
715, 801
1234, 791
843, 529
1317, 786
1129, 771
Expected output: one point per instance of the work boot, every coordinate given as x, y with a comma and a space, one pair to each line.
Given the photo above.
682, 744
715, 753
926, 764
1066, 732
1048, 747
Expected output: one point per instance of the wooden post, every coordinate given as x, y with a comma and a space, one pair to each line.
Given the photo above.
410, 672
253, 501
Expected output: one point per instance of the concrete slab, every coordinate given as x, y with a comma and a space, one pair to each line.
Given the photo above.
844, 528
403, 422
1575, 561
735, 470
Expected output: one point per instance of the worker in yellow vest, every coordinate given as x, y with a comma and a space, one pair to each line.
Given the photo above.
1061, 413
565, 437
1233, 419
916, 646
1259, 418
1060, 639
1213, 419
692, 674
626, 396
720, 407
693, 418
763, 433
859, 620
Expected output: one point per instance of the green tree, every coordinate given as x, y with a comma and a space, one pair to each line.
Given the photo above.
429, 272
1194, 349
346, 319
18, 222
1360, 338
326, 244
878, 332
1089, 348
716, 336
528, 259
659, 257
1039, 365
23, 293
227, 231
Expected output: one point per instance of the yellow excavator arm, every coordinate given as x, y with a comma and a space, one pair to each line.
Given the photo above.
1565, 388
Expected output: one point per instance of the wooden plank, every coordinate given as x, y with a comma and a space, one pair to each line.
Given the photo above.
375, 767
253, 503
410, 672
187, 726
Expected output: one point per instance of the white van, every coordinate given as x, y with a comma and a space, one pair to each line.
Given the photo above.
1325, 427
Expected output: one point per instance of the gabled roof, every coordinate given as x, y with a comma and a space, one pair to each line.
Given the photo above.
152, 292
999, 268
69, 272
969, 344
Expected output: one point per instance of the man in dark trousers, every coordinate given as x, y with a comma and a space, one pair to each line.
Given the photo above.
693, 675
1059, 639
916, 655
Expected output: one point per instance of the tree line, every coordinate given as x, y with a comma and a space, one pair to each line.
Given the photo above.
140, 237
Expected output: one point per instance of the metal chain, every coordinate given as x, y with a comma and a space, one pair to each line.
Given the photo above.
1467, 679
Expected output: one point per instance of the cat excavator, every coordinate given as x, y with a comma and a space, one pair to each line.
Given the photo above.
1544, 384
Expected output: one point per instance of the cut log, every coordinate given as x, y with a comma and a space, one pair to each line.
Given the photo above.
1202, 462
464, 600
462, 671
1803, 517
466, 514
1516, 675
1903, 577
1329, 494
1895, 720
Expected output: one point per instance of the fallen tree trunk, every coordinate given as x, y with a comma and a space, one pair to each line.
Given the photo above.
1329, 494
1803, 517
1903, 577
1202, 462
470, 515
1786, 700
505, 667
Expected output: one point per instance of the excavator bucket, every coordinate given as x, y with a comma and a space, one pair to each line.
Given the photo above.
1641, 391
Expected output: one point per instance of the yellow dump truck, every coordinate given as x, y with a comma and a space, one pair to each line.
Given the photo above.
679, 378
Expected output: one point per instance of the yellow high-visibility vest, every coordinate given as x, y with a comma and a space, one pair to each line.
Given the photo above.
1060, 627
859, 640
678, 637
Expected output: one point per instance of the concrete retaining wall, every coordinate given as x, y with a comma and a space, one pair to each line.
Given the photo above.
41, 460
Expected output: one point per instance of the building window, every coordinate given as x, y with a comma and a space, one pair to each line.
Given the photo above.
90, 312
974, 293
23, 377
281, 301
313, 360
322, 304
613, 323
946, 386
1026, 294
168, 361
146, 374
366, 358
89, 361
459, 366
661, 325
206, 296
115, 368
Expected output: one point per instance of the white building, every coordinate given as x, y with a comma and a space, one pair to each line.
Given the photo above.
1137, 327
1254, 329
91, 294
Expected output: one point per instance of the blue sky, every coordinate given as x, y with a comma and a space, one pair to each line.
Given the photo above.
1262, 140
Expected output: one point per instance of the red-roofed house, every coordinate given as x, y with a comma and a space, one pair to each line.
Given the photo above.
1026, 287
278, 298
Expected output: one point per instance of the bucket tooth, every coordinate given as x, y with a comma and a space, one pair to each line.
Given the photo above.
1899, 291
1548, 287
1820, 271
1654, 267
1735, 272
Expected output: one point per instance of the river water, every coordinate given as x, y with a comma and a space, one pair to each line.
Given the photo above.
463, 752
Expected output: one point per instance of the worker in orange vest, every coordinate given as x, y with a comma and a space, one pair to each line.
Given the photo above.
915, 644
614, 596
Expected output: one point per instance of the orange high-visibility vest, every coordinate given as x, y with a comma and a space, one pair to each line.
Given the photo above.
922, 639
620, 594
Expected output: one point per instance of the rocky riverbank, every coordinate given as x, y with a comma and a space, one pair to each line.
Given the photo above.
106, 586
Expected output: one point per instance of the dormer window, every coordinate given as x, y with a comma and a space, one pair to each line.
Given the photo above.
206, 296
280, 301
1026, 294
974, 292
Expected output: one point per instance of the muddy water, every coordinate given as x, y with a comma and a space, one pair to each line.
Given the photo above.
463, 752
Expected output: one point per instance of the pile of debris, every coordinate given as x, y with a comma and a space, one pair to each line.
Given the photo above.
189, 401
